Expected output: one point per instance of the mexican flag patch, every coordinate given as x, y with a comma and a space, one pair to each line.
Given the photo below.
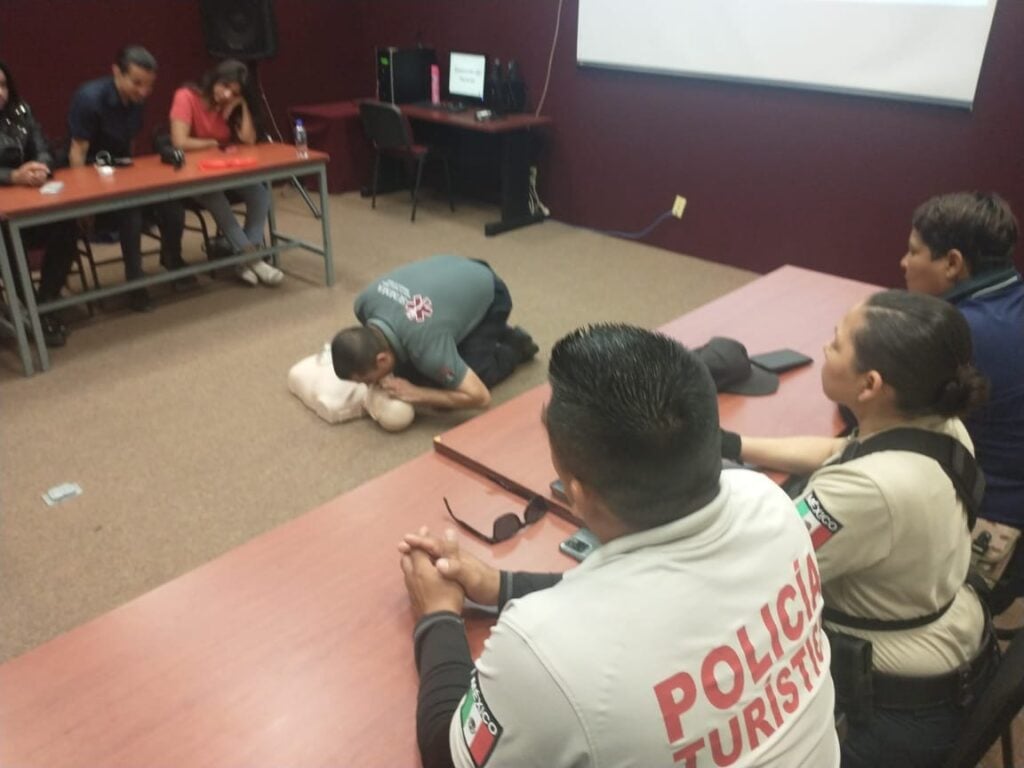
480, 729
820, 524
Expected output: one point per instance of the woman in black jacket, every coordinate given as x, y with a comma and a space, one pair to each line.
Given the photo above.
25, 160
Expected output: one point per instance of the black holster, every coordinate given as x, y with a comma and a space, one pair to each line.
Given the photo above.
852, 669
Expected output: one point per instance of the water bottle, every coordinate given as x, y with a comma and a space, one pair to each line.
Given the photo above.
301, 142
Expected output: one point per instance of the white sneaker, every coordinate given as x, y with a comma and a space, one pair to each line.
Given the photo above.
246, 275
267, 273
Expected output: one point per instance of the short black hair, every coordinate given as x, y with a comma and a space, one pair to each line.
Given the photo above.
137, 55
978, 224
634, 417
921, 346
354, 351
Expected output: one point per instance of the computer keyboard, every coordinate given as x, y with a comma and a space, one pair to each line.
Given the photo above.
445, 106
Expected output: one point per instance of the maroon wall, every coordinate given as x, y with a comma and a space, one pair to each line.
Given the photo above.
53, 45
772, 175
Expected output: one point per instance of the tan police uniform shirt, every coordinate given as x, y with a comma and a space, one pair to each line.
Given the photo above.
892, 542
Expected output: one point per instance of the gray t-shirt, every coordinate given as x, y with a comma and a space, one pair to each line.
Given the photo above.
425, 309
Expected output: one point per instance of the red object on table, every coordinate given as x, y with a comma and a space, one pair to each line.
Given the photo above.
223, 163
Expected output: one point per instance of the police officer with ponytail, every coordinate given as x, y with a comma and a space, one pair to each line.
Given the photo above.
888, 511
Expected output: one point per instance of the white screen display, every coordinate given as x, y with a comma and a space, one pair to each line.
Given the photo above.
466, 74
928, 50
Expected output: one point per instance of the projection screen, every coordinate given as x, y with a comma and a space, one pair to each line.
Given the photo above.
925, 50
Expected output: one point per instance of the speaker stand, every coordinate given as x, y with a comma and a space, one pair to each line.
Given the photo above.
277, 131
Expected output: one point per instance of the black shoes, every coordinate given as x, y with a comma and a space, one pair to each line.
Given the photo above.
521, 343
55, 333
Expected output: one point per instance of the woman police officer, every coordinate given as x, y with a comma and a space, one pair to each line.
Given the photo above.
890, 531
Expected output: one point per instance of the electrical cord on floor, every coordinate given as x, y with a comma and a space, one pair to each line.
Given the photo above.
534, 201
639, 234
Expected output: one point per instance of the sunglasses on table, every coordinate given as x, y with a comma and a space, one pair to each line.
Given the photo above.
507, 525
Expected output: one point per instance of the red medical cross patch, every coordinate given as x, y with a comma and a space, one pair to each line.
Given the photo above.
419, 308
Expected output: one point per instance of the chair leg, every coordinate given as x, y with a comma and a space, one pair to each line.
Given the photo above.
416, 186
376, 172
80, 267
205, 231
86, 251
448, 181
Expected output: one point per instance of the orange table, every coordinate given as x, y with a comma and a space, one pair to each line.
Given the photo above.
87, 192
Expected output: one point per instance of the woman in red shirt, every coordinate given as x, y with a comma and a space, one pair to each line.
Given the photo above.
216, 113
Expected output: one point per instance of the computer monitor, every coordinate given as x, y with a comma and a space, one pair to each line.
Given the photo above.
466, 75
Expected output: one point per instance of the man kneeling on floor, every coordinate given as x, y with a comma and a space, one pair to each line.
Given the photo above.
683, 640
434, 332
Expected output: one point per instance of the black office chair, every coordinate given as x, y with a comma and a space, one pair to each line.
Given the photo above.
391, 134
993, 714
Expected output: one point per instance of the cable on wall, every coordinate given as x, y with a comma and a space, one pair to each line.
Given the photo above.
551, 59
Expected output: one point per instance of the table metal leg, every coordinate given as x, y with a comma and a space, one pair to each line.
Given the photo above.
325, 221
29, 297
24, 351
272, 224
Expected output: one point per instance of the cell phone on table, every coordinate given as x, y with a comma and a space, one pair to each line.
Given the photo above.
580, 544
781, 360
122, 162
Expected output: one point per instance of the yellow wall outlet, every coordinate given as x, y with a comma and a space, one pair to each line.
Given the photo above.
679, 206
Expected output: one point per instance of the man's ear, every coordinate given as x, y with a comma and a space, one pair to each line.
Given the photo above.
384, 359
575, 491
957, 268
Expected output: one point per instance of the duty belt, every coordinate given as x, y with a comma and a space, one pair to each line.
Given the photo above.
957, 687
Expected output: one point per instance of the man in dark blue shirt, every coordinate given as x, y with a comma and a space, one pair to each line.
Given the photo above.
104, 119
961, 248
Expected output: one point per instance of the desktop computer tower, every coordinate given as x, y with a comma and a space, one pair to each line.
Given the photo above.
403, 75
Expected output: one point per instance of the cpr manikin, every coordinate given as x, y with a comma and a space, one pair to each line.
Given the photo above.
335, 400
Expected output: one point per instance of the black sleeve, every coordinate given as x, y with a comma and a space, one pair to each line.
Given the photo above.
445, 666
519, 583
732, 445
37, 148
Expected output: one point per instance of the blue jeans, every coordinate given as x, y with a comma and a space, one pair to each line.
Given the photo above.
898, 739
257, 208
918, 738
